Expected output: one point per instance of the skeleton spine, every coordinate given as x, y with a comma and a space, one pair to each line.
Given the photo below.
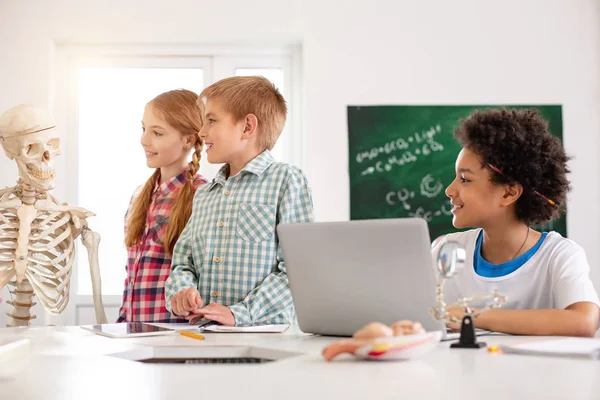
23, 301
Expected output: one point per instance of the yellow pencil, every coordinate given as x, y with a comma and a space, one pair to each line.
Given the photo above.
192, 335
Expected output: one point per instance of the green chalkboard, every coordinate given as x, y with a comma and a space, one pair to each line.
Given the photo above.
402, 159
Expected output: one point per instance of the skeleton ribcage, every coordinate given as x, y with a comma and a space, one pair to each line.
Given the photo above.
49, 258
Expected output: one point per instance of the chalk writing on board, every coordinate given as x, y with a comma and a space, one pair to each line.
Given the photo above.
400, 196
420, 212
430, 187
392, 149
400, 151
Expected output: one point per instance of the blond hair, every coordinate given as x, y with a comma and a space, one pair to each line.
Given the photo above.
243, 95
178, 108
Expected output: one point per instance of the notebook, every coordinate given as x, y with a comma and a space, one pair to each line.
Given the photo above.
563, 347
248, 329
227, 329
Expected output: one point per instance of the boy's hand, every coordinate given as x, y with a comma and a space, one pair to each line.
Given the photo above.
213, 312
459, 313
186, 301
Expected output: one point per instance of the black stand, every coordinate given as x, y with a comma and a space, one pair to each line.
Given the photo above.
467, 340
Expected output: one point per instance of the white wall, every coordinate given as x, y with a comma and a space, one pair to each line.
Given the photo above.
361, 52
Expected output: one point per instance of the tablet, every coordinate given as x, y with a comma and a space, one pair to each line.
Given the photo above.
128, 330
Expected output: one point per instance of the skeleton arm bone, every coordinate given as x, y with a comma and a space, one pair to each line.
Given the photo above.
90, 240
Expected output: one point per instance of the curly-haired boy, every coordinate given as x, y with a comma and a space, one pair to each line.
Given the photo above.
510, 175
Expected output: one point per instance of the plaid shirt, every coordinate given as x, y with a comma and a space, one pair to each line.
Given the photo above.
229, 249
148, 263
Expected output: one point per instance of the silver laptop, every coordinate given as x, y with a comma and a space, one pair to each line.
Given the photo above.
344, 275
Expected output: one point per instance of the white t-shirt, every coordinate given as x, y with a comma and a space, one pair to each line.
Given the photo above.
556, 276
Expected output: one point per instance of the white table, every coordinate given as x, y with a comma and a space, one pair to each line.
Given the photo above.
70, 363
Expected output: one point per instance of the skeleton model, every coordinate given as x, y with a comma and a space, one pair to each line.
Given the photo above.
451, 260
37, 232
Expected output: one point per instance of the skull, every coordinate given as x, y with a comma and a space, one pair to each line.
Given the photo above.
28, 135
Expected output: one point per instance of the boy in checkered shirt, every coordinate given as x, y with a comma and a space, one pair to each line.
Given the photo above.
227, 264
